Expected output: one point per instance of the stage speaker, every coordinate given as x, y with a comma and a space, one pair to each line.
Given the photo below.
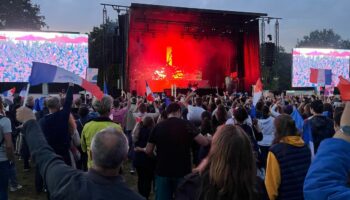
269, 54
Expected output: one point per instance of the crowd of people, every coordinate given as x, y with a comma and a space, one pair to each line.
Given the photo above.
188, 147
18, 55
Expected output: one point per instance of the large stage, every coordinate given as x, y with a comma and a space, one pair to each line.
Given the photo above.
172, 45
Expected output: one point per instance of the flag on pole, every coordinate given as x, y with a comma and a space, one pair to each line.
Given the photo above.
321, 76
105, 89
149, 93
46, 73
344, 88
10, 92
298, 119
22, 93
257, 93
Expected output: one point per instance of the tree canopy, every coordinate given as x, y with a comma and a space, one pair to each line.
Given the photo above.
325, 38
20, 14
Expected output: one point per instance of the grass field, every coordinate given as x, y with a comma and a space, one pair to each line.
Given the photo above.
26, 179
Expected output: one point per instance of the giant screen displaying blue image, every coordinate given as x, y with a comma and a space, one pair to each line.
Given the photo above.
19, 49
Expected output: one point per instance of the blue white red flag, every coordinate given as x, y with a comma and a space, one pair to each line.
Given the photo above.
46, 73
9, 93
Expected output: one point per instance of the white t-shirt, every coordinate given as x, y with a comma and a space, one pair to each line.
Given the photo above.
247, 121
194, 113
268, 130
5, 128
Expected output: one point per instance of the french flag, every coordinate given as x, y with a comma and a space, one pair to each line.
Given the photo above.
321, 76
149, 93
46, 73
307, 137
9, 93
257, 93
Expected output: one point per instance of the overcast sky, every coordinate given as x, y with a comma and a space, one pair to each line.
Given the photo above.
300, 17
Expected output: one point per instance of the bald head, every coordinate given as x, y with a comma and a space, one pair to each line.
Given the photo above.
109, 148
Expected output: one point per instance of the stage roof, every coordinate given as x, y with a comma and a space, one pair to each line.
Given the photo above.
199, 10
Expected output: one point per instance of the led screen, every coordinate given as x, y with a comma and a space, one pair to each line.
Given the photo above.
305, 59
19, 49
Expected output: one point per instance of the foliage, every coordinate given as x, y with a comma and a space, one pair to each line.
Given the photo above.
278, 77
325, 38
20, 14
100, 55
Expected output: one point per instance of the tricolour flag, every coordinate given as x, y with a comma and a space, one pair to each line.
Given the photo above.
257, 93
10, 92
321, 76
149, 93
46, 73
344, 88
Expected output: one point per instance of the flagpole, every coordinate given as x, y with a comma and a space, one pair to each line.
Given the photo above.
26, 95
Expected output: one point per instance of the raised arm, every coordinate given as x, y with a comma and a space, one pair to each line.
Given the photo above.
69, 98
51, 166
188, 98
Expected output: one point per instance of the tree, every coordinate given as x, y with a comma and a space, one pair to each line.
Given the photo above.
20, 14
280, 73
102, 53
325, 38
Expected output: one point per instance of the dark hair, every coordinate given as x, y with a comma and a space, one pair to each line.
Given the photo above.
173, 108
265, 112
198, 101
142, 108
259, 106
317, 106
231, 166
329, 108
240, 114
2, 110
288, 109
285, 126
206, 124
83, 111
221, 114
338, 112
212, 107
116, 103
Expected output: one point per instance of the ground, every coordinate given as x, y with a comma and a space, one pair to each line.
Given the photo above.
26, 179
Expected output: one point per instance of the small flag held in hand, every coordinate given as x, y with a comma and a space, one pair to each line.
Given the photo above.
10, 92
